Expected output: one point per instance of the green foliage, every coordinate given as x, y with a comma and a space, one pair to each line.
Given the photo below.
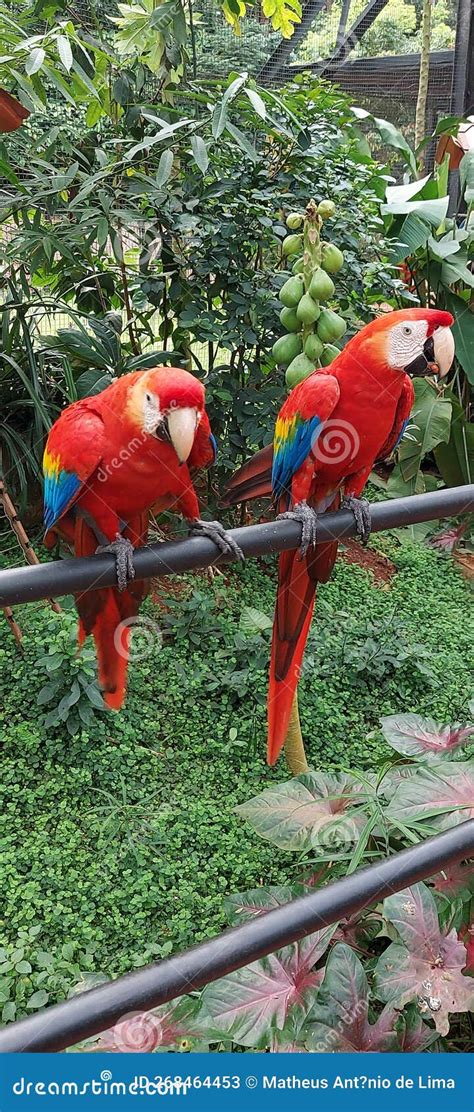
71, 686
174, 220
124, 872
434, 251
26, 967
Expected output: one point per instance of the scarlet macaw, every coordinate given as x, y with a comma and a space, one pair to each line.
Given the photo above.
108, 461
329, 433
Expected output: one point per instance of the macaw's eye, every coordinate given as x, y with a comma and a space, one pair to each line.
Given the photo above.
148, 397
407, 330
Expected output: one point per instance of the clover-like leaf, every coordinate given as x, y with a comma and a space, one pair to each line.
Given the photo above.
415, 736
312, 811
338, 1021
442, 793
251, 1004
426, 966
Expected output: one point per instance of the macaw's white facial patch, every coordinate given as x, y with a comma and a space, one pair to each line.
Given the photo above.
151, 412
405, 342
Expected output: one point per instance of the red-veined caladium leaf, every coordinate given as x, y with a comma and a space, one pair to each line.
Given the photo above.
414, 1035
242, 906
442, 794
144, 1032
250, 1005
415, 736
338, 1021
359, 930
455, 880
426, 966
312, 811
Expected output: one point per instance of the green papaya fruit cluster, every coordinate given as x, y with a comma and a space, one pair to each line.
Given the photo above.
311, 327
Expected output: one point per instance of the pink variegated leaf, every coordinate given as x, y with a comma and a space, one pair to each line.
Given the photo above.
314, 811
242, 906
455, 880
359, 930
338, 1021
144, 1032
415, 736
414, 1034
250, 1005
426, 967
442, 794
447, 539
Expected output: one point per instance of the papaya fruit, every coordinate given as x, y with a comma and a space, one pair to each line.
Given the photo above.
307, 309
286, 348
331, 258
292, 291
328, 353
292, 245
330, 326
289, 320
298, 370
297, 267
313, 347
326, 209
322, 287
294, 221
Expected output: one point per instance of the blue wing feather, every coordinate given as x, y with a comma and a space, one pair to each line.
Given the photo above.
60, 488
293, 442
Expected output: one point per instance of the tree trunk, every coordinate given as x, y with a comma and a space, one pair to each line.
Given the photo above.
420, 115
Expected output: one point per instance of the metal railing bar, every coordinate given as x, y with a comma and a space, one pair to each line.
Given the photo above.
63, 577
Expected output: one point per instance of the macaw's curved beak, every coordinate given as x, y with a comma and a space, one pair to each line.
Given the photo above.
437, 356
182, 424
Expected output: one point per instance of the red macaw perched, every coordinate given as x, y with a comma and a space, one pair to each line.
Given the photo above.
329, 433
108, 461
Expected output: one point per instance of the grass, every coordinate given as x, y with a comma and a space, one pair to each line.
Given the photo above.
121, 842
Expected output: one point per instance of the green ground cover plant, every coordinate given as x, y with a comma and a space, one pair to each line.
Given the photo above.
120, 842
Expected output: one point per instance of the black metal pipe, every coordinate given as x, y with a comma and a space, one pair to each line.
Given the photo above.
63, 577
91, 1012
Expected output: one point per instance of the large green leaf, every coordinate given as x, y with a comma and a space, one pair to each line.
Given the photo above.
413, 234
394, 138
455, 459
315, 810
463, 332
219, 120
339, 1019
429, 426
456, 269
406, 192
466, 176
249, 1005
433, 210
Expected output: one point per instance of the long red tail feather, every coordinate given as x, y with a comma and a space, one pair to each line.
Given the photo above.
297, 583
106, 614
252, 480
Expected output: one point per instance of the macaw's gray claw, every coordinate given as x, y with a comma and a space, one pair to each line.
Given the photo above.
123, 551
360, 508
308, 519
216, 533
